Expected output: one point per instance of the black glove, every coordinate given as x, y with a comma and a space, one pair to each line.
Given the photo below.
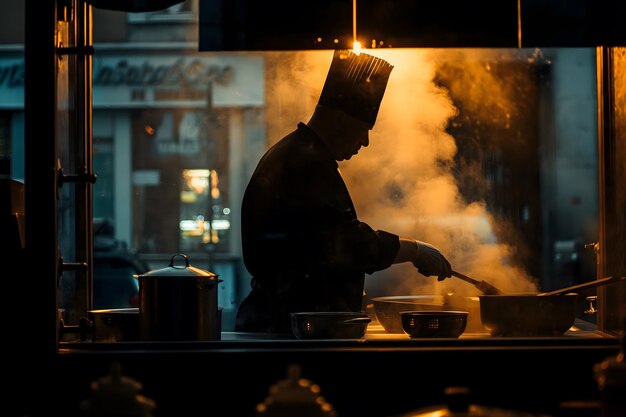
430, 261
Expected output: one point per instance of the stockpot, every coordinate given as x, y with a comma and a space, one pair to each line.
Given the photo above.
179, 302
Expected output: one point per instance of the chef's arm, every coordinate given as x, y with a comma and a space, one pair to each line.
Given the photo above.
407, 251
428, 260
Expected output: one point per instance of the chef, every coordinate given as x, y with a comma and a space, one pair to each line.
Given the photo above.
303, 242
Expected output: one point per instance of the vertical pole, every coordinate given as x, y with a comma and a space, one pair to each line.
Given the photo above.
39, 336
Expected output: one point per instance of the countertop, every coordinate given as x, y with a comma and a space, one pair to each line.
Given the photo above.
380, 375
375, 331
581, 334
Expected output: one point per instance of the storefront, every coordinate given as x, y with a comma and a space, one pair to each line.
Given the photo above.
169, 130
163, 153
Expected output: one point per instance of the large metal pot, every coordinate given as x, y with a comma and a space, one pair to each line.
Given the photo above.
535, 314
179, 302
528, 315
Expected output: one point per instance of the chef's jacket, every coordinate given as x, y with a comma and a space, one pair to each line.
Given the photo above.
302, 241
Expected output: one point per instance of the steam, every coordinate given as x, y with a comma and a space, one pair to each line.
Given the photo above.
404, 181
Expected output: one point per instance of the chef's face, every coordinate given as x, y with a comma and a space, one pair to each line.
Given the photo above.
355, 135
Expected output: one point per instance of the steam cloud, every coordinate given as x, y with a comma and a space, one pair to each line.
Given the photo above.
403, 181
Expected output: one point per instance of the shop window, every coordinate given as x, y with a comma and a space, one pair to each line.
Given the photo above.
180, 181
204, 220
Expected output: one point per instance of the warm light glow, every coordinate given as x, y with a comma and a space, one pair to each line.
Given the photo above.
213, 237
198, 226
356, 47
188, 197
354, 20
196, 180
519, 23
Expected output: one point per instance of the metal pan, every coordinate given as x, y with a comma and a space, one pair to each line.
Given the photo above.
535, 314
388, 308
329, 324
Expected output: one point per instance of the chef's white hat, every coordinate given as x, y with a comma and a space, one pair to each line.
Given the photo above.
356, 84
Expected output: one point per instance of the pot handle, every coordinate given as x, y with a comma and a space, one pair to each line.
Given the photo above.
184, 257
202, 283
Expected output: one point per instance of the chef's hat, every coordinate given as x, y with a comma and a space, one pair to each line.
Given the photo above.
356, 84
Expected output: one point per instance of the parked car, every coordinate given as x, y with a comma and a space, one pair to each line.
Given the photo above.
114, 284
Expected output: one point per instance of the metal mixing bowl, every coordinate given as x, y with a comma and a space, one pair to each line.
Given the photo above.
329, 325
422, 324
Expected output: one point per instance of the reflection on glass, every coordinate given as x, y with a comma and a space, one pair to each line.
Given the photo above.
203, 218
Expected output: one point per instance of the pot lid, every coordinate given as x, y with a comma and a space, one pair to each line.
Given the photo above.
458, 405
180, 269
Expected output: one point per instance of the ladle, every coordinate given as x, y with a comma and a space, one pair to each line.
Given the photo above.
484, 286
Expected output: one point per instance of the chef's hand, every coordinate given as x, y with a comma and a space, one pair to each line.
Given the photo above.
430, 261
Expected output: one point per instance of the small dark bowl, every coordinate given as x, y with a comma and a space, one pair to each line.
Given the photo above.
329, 325
114, 324
429, 324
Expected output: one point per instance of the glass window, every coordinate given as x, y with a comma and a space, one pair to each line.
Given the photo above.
180, 181
490, 154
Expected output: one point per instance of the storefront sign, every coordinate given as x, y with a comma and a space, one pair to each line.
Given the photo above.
11, 83
12, 74
178, 81
181, 73
158, 81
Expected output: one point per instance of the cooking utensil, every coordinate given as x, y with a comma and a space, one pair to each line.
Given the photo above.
422, 324
585, 285
388, 308
550, 313
483, 286
179, 302
329, 325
